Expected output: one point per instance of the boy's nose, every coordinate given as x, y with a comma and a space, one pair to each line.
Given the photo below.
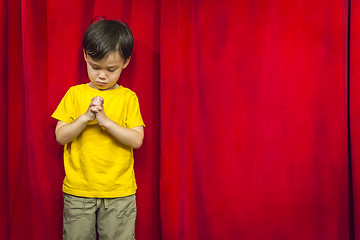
102, 75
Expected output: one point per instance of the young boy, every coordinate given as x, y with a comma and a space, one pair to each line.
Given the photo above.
100, 124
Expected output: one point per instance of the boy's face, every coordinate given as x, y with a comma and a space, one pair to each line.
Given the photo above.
104, 73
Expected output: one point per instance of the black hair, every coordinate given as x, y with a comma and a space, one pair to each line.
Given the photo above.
105, 36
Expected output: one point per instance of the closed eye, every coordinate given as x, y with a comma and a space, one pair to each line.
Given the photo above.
113, 68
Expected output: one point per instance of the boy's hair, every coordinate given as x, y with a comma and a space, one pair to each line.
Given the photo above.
105, 36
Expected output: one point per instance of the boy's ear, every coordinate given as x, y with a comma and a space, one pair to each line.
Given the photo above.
84, 54
126, 62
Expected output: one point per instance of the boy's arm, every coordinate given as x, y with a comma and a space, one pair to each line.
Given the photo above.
132, 137
66, 132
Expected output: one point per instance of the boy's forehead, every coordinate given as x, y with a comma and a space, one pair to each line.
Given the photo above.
112, 58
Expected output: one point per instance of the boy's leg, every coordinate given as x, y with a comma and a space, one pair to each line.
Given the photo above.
79, 218
116, 218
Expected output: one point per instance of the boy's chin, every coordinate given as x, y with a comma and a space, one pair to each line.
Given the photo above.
103, 87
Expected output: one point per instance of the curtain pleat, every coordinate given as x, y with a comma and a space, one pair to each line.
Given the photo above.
253, 120
354, 91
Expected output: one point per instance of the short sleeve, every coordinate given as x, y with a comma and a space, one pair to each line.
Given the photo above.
133, 118
65, 111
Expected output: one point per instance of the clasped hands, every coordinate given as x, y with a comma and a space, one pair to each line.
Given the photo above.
96, 110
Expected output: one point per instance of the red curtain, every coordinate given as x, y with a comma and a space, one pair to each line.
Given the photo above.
354, 107
245, 105
42, 58
253, 120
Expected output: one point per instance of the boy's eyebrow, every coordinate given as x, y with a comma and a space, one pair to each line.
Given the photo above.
113, 66
94, 63
109, 66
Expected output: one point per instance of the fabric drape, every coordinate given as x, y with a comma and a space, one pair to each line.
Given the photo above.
354, 114
41, 59
253, 129
251, 115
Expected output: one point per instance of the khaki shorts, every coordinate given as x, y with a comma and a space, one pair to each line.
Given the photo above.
111, 218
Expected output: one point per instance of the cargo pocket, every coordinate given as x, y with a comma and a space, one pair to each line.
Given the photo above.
73, 207
126, 207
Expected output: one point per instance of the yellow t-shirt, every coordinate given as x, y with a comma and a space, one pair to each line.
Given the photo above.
96, 164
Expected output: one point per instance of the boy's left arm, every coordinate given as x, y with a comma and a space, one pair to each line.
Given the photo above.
132, 137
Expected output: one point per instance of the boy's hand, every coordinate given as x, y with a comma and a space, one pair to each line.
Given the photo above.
97, 107
97, 101
94, 107
89, 114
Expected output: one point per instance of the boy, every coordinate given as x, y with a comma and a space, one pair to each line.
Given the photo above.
100, 124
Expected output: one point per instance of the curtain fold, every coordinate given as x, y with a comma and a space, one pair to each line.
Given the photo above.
42, 58
354, 90
4, 206
253, 120
245, 106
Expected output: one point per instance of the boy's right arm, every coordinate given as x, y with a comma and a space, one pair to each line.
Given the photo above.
66, 132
